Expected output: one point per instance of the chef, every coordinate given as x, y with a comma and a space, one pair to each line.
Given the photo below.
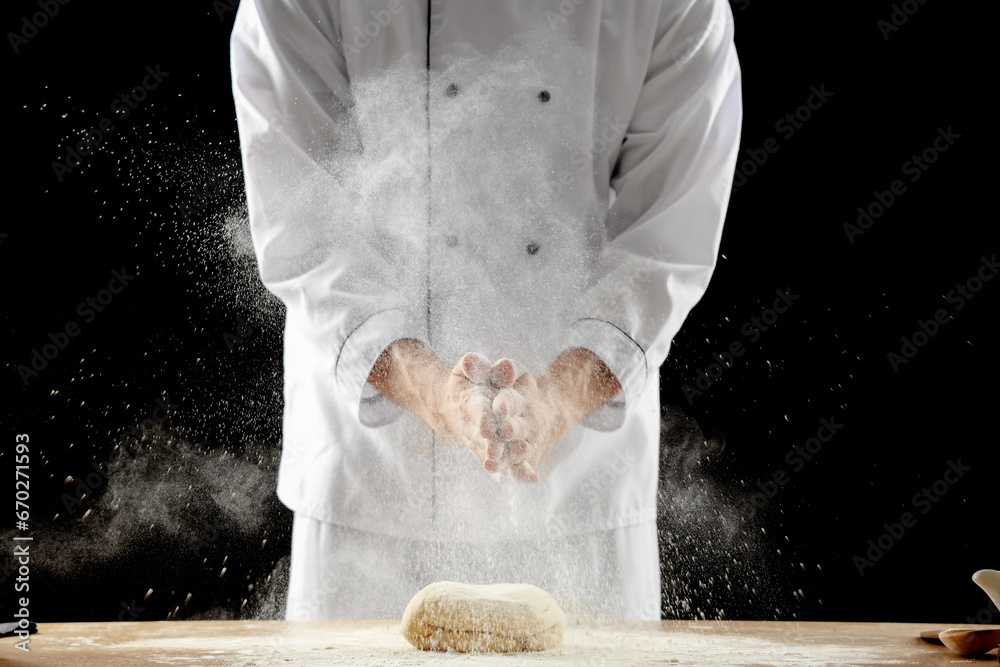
487, 221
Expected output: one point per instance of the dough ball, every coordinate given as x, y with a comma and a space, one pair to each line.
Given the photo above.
491, 618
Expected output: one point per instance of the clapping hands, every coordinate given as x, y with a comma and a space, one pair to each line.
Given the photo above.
520, 419
509, 421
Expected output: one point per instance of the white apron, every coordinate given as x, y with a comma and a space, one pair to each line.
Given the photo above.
341, 573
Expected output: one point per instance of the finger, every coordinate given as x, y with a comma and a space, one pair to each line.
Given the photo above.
476, 368
500, 469
493, 445
525, 383
513, 427
505, 430
494, 451
508, 402
524, 472
516, 449
475, 406
488, 425
519, 368
502, 374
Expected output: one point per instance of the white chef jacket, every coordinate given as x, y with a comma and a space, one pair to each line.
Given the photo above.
439, 170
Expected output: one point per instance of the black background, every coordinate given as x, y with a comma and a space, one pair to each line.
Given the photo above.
827, 356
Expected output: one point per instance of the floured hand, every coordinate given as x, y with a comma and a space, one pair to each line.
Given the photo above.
465, 404
535, 415
455, 401
492, 407
509, 421
533, 418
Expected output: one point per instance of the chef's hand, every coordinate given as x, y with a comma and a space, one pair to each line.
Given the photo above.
464, 405
536, 414
455, 401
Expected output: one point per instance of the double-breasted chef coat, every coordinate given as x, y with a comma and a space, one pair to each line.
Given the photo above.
444, 171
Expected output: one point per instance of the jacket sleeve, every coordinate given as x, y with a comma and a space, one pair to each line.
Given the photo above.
332, 268
672, 182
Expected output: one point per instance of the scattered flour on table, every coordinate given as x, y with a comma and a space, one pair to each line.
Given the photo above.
590, 646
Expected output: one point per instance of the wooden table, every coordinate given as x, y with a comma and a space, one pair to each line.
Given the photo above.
260, 643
